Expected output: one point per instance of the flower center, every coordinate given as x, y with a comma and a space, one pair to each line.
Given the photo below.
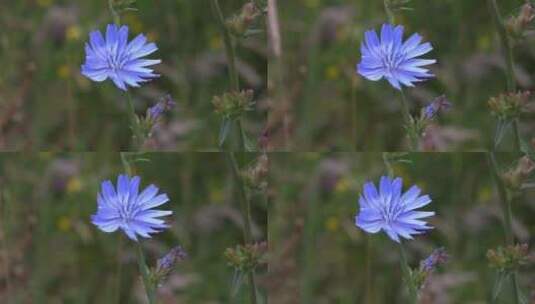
390, 210
391, 59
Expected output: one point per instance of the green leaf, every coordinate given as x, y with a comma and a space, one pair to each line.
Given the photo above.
501, 128
237, 281
498, 284
224, 131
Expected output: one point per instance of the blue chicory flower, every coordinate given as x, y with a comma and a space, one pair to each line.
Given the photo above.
129, 210
393, 59
118, 59
391, 211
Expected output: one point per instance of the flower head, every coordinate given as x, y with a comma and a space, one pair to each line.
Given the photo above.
393, 59
128, 209
116, 58
391, 211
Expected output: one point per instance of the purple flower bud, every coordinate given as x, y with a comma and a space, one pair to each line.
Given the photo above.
167, 263
166, 103
436, 106
438, 257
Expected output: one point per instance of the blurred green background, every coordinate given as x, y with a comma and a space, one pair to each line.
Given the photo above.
46, 104
51, 253
319, 256
329, 107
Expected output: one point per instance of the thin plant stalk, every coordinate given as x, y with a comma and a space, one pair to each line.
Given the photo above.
246, 210
354, 113
5, 241
134, 123
507, 47
115, 16
406, 272
369, 261
230, 51
407, 118
119, 271
505, 204
150, 290
389, 12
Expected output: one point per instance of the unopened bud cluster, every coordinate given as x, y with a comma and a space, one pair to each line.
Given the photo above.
516, 176
510, 258
246, 258
232, 105
509, 105
517, 25
240, 23
255, 176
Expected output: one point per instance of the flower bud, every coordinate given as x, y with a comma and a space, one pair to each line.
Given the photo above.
437, 258
167, 263
438, 105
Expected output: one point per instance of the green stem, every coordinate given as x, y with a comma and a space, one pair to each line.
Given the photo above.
137, 136
230, 51
369, 294
119, 270
406, 272
505, 204
354, 114
241, 135
229, 46
5, 241
516, 135
126, 164
246, 210
389, 13
506, 45
388, 165
407, 118
144, 270
114, 14
507, 48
